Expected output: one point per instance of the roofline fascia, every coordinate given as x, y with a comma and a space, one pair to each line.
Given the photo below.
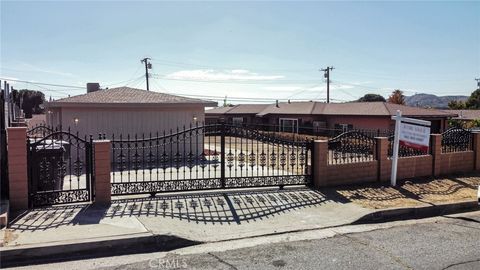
119, 105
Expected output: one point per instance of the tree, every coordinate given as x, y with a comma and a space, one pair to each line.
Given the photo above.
397, 97
457, 105
29, 101
475, 123
371, 98
473, 102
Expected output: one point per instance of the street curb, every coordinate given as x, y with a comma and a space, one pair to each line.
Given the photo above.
110, 246
148, 242
417, 212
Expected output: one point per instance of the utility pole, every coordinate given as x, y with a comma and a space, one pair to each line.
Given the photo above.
327, 75
147, 67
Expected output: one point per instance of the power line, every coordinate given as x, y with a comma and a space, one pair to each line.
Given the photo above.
390, 77
192, 65
163, 77
259, 99
49, 84
303, 90
131, 78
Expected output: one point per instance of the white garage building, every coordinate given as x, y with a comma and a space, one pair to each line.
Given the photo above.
125, 110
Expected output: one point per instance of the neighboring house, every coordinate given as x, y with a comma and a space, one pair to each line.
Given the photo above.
466, 116
125, 110
319, 116
244, 113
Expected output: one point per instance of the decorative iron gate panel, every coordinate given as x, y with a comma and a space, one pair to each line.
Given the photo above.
207, 157
60, 167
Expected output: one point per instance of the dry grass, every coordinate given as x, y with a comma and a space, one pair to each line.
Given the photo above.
414, 192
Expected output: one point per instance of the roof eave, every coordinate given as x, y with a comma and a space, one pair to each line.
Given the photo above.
55, 104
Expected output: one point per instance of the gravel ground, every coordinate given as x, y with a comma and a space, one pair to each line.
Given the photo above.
414, 192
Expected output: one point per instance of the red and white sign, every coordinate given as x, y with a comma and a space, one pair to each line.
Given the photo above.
415, 136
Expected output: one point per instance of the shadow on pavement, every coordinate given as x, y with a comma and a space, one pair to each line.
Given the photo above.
223, 208
415, 189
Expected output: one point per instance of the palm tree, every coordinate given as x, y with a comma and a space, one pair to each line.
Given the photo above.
397, 97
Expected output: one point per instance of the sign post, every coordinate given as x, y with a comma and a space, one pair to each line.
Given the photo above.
409, 132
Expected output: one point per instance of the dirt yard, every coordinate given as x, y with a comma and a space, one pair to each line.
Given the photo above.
414, 192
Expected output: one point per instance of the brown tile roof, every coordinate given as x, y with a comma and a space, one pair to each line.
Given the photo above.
353, 108
320, 108
218, 110
465, 114
238, 109
127, 95
416, 111
289, 108
247, 108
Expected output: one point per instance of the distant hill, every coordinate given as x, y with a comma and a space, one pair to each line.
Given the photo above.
433, 101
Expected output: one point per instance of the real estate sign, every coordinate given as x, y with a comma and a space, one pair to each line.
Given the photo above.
415, 136
410, 132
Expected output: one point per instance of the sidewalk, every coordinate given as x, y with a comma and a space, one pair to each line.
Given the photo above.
170, 221
200, 217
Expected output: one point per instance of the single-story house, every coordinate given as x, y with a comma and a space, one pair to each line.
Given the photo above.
125, 110
320, 116
465, 115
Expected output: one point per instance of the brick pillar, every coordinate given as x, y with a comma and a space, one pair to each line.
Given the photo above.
102, 159
17, 168
476, 149
436, 142
382, 158
320, 163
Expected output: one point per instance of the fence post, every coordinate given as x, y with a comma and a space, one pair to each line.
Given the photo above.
436, 140
476, 149
319, 162
382, 158
222, 154
102, 170
17, 168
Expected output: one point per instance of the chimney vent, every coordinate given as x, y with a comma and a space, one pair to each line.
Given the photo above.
277, 104
93, 87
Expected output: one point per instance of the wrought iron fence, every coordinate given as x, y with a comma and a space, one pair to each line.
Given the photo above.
405, 151
456, 140
41, 131
60, 167
351, 147
206, 157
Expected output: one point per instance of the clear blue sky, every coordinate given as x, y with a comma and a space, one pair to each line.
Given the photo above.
254, 49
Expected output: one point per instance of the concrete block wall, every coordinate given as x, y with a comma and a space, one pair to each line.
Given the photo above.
351, 173
435, 164
102, 159
456, 162
408, 167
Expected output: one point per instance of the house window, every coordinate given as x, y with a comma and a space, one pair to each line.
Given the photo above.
237, 121
288, 125
343, 127
319, 125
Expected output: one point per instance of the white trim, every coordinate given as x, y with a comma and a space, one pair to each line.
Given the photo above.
280, 126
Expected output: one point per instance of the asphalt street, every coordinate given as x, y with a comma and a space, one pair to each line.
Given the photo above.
450, 242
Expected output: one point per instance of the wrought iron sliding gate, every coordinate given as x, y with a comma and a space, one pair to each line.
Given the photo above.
207, 157
60, 166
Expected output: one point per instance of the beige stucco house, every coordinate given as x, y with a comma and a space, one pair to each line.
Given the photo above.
125, 110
